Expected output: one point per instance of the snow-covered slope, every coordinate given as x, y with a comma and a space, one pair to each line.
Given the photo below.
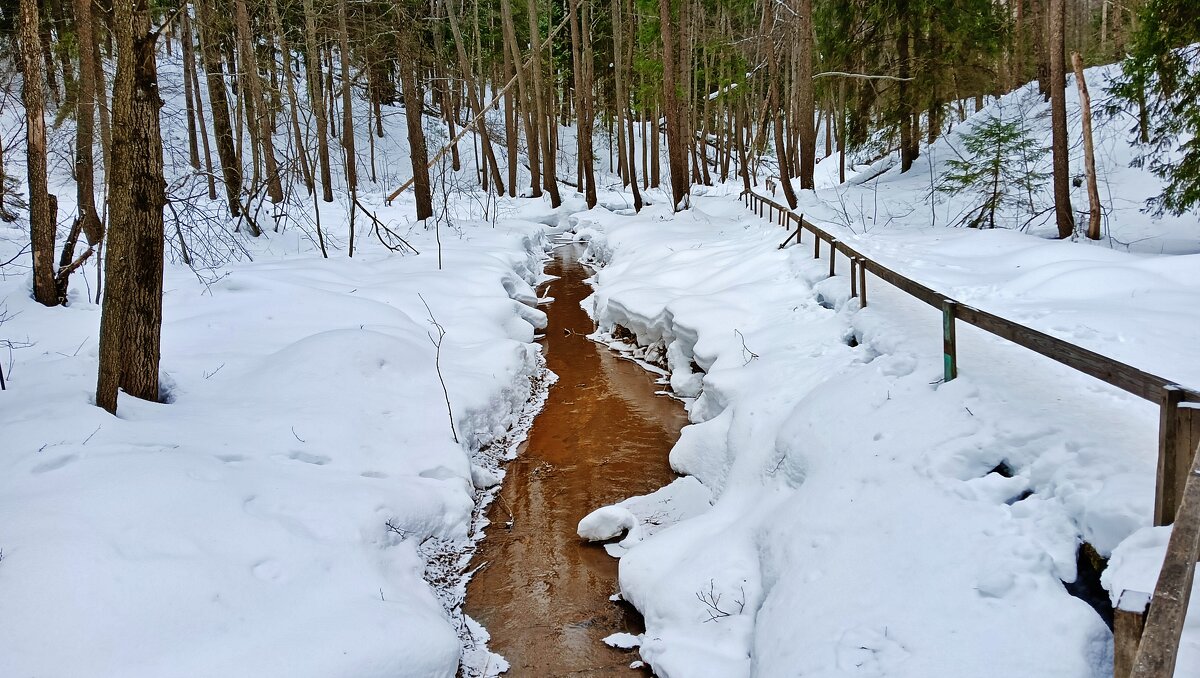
879, 199
299, 506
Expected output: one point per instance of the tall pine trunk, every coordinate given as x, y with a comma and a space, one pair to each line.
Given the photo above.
132, 313
676, 151
807, 106
1063, 214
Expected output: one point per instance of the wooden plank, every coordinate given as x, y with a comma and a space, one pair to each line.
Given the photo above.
1089, 362
910, 287
832, 257
1164, 625
854, 278
1129, 618
949, 341
1186, 430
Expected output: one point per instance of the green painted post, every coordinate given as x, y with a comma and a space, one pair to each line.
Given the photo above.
949, 349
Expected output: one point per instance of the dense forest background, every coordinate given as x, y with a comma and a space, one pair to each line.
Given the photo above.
274, 93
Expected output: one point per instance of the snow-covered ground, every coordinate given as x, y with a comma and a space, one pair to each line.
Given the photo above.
299, 505
862, 525
301, 485
869, 519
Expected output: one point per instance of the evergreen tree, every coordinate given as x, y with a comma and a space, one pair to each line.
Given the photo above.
1161, 77
1001, 168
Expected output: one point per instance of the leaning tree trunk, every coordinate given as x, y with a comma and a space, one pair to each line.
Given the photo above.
528, 106
41, 203
132, 314
1089, 153
473, 100
1058, 121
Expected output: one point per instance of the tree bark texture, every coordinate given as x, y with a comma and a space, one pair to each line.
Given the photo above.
132, 310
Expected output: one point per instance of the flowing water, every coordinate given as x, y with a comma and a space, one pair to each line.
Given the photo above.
603, 436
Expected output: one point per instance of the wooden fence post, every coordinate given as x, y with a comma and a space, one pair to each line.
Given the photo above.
832, 255
949, 347
817, 247
1129, 618
853, 277
799, 229
862, 283
1166, 489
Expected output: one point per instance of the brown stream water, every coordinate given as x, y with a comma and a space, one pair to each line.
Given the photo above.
603, 436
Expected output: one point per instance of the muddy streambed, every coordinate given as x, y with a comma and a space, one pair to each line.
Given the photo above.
603, 436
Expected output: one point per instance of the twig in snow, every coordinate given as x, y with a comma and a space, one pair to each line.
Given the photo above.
296, 436
397, 530
712, 600
746, 352
85, 440
437, 363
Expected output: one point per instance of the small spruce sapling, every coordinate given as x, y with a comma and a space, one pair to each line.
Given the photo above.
1001, 168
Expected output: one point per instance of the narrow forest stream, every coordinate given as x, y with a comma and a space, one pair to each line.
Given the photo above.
603, 436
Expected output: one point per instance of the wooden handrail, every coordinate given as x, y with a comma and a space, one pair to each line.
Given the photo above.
1159, 645
1125, 377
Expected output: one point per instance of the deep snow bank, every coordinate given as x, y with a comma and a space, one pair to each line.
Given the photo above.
864, 522
278, 517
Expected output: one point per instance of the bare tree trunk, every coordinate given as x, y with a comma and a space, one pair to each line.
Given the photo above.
41, 203
676, 157
189, 64
285, 54
1041, 39
511, 127
1058, 115
85, 121
347, 101
1089, 154
903, 52
583, 86
316, 94
528, 97
132, 314
804, 84
189, 84
625, 105
473, 99
414, 104
231, 166
544, 115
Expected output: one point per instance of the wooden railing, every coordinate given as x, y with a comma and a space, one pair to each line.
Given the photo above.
1146, 643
